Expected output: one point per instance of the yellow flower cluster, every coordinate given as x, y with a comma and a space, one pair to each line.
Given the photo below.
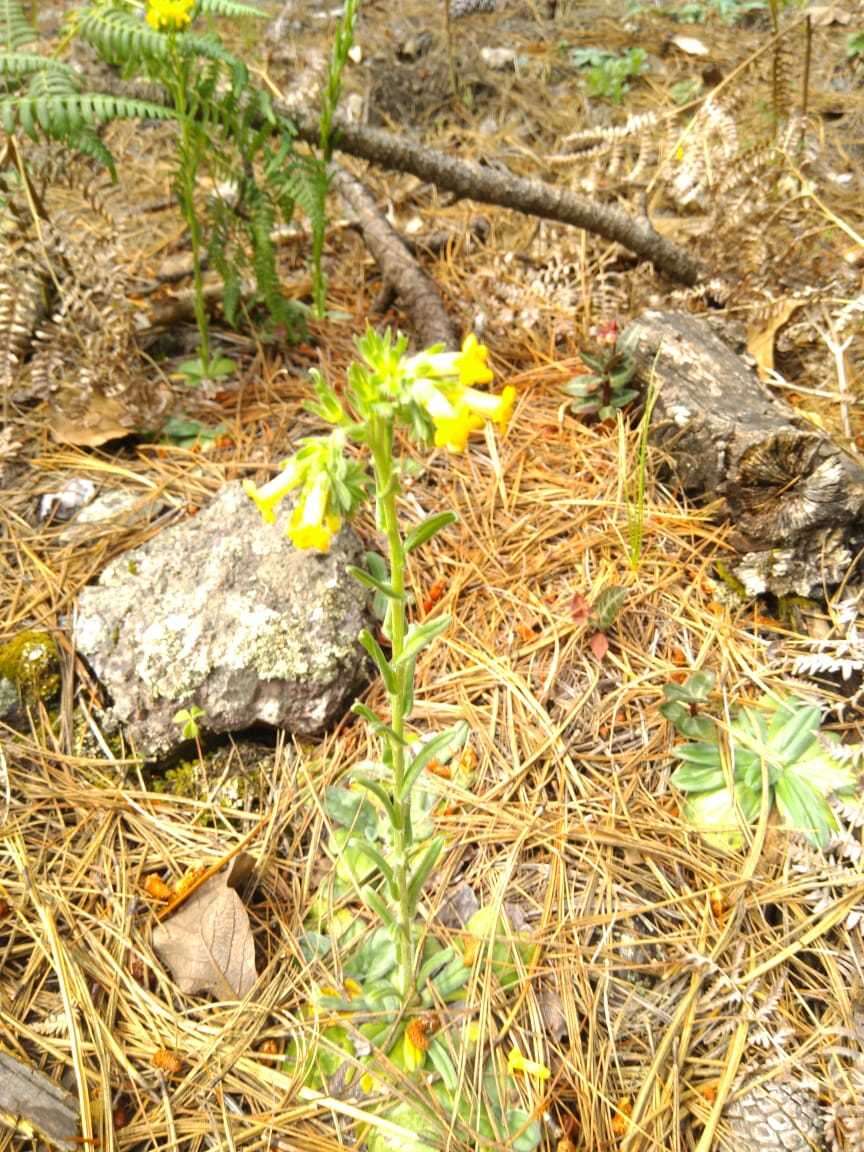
441, 384
312, 523
443, 388
169, 15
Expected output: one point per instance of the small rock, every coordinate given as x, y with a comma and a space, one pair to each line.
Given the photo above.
413, 47
498, 58
223, 613
65, 502
118, 507
469, 7
459, 907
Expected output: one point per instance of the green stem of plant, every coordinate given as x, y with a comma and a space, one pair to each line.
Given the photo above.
386, 487
190, 156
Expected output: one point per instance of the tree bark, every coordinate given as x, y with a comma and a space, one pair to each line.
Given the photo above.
498, 186
416, 290
794, 497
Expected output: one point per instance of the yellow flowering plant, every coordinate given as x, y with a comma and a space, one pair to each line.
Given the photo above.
396, 977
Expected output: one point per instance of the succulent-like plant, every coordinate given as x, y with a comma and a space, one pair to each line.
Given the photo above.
607, 387
776, 744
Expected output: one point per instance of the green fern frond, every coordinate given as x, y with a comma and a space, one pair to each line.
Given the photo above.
15, 29
122, 38
118, 36
17, 64
233, 9
60, 115
308, 183
88, 142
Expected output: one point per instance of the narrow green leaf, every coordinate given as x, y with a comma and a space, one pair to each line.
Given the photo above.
440, 1060
408, 689
373, 648
705, 755
606, 607
372, 854
428, 528
435, 964
432, 750
377, 905
420, 635
693, 778
803, 808
791, 738
370, 581
421, 873
379, 792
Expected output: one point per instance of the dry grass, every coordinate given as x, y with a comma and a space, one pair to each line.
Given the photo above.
656, 947
662, 963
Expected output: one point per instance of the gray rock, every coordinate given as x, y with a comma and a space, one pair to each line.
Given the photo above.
224, 613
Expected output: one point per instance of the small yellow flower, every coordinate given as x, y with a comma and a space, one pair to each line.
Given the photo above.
453, 432
488, 406
456, 417
312, 526
471, 364
169, 15
516, 1062
269, 497
468, 366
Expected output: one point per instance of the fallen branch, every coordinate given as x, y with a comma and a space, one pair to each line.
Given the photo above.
494, 186
416, 290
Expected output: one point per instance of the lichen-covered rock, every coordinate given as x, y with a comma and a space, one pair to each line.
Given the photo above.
223, 613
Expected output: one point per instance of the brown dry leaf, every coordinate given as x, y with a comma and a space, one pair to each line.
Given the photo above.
599, 645
104, 419
760, 336
821, 15
207, 946
36, 1107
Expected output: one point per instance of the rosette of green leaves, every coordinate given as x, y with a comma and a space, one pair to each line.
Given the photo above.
777, 746
607, 387
365, 1030
497, 1117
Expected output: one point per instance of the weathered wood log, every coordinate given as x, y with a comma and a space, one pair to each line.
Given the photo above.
795, 498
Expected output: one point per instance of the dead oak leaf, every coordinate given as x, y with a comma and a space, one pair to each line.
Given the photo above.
207, 946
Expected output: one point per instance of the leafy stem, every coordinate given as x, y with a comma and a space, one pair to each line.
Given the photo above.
190, 156
386, 488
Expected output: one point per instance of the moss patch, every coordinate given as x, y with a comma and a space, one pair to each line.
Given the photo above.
30, 663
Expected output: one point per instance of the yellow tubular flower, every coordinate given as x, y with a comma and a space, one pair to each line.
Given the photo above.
274, 491
169, 15
516, 1062
471, 362
488, 406
311, 525
453, 432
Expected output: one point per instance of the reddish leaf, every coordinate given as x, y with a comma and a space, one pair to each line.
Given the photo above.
599, 645
580, 609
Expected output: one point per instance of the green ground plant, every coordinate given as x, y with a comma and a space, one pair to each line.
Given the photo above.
42, 97
606, 389
382, 1019
608, 74
771, 755
228, 131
